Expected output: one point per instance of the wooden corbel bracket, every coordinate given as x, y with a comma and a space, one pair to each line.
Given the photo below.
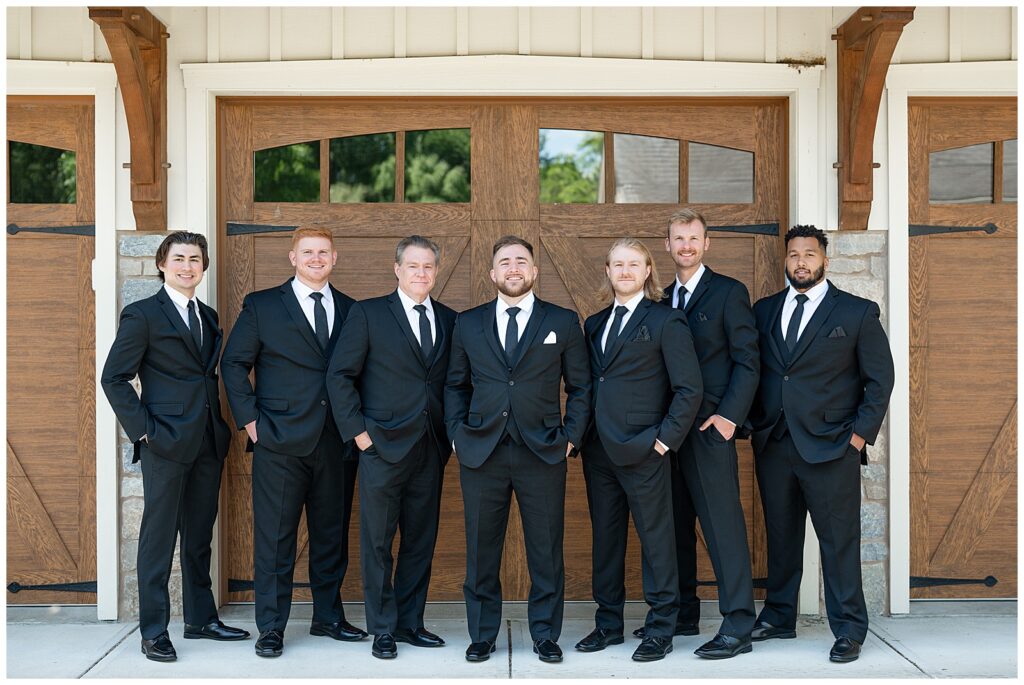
138, 46
866, 42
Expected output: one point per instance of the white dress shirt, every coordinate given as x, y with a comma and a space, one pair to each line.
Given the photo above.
302, 294
181, 304
814, 297
630, 306
690, 285
409, 304
522, 318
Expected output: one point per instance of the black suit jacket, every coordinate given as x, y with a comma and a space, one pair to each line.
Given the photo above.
725, 338
179, 388
379, 383
289, 402
647, 386
837, 381
482, 388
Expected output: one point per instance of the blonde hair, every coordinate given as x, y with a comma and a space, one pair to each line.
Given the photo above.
310, 232
685, 216
652, 288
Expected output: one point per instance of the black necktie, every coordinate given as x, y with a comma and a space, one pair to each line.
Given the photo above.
193, 326
511, 333
793, 332
426, 341
620, 312
320, 320
681, 304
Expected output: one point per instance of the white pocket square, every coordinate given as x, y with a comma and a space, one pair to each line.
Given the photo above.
551, 339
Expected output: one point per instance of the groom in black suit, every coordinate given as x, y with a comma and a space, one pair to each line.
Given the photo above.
287, 333
502, 410
386, 384
172, 341
826, 377
646, 390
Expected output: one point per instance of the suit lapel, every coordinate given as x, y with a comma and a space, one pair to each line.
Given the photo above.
828, 302
338, 318
211, 328
702, 287
171, 312
534, 325
773, 324
395, 305
594, 339
489, 330
639, 314
291, 305
439, 326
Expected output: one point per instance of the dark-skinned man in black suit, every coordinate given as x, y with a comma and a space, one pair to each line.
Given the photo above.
171, 341
826, 377
646, 390
705, 479
502, 410
287, 333
386, 385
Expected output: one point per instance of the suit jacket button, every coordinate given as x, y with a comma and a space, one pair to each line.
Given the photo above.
504, 413
323, 403
424, 411
601, 379
511, 382
208, 404
785, 378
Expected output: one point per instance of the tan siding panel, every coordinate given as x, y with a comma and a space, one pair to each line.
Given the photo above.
493, 30
305, 33
429, 31
985, 32
57, 33
243, 34
617, 31
926, 38
678, 33
14, 31
739, 34
369, 32
803, 32
555, 31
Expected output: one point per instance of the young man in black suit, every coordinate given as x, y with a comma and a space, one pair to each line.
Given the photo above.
646, 390
826, 377
386, 385
502, 410
705, 479
171, 341
287, 333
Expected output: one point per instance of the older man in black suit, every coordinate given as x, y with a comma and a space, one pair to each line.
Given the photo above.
646, 390
826, 377
502, 409
287, 334
172, 341
386, 384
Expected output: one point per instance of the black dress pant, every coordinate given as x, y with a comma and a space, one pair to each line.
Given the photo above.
282, 485
613, 492
405, 496
705, 485
487, 491
179, 498
830, 492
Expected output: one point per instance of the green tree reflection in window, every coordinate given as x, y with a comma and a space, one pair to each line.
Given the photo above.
41, 175
571, 166
437, 165
290, 173
363, 168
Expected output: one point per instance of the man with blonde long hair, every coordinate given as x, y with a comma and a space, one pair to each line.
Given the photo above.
647, 387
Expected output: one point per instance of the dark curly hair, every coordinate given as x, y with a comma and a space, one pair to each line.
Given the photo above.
807, 231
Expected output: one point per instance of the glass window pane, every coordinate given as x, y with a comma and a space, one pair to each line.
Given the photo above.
720, 174
571, 166
363, 168
961, 175
40, 174
437, 165
646, 169
1010, 170
290, 173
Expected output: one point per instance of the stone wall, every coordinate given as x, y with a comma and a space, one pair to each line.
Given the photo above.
858, 264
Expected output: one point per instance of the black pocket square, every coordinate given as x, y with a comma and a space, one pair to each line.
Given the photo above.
641, 335
837, 332
701, 316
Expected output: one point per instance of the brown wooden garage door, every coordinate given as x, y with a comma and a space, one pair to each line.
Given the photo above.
963, 347
51, 352
611, 168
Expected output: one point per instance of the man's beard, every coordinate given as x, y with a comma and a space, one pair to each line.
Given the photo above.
814, 279
523, 288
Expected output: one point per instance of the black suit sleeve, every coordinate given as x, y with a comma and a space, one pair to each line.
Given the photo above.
121, 367
240, 352
741, 331
458, 387
685, 378
576, 374
346, 364
877, 373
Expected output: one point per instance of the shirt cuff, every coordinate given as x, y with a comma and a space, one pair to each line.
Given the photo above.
663, 445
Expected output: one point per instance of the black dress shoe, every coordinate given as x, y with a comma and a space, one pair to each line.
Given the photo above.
766, 631
547, 650
215, 630
598, 640
342, 630
681, 629
159, 648
384, 646
421, 637
844, 651
270, 643
480, 651
653, 649
723, 647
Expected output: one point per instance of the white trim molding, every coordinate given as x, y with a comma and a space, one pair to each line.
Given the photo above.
904, 81
511, 75
26, 77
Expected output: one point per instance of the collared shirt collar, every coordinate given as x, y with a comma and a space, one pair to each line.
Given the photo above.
525, 305
631, 304
303, 291
179, 299
813, 295
408, 303
691, 284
